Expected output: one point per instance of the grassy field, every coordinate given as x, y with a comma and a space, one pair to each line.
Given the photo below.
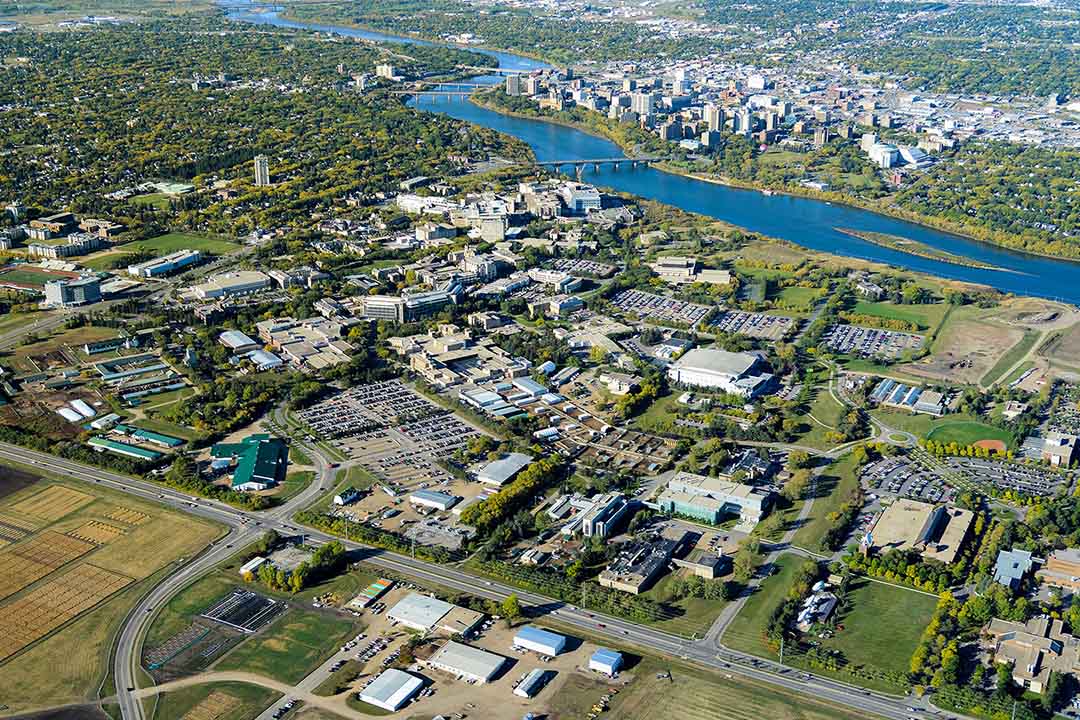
878, 631
797, 297
926, 317
68, 665
828, 411
298, 456
169, 428
294, 483
746, 631
883, 625
245, 701
968, 433
833, 485
290, 648
155, 200
962, 428
1014, 355
73, 338
171, 242
696, 614
690, 694
659, 416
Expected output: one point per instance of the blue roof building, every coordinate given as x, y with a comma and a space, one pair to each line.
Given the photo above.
1011, 567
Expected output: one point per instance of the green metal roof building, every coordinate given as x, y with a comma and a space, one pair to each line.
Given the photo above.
260, 461
120, 448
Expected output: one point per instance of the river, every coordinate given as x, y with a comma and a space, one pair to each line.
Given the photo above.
807, 222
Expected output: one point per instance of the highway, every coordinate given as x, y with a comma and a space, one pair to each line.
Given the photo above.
247, 526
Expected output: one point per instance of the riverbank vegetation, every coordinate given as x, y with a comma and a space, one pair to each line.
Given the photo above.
914, 247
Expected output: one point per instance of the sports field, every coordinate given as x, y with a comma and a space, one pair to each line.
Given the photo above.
25, 277
968, 433
290, 648
85, 569
171, 242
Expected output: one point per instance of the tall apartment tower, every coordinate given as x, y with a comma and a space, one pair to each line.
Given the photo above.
513, 84
262, 170
714, 117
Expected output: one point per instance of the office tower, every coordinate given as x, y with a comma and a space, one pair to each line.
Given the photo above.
714, 117
513, 85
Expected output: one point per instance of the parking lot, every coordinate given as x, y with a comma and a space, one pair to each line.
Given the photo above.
897, 476
1065, 417
366, 407
579, 266
755, 325
1027, 479
660, 308
870, 342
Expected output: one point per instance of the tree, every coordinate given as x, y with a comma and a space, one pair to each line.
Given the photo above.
510, 608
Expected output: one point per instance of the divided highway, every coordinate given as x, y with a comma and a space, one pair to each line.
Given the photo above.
245, 527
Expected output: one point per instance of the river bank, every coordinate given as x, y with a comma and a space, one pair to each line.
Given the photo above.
991, 237
800, 218
918, 249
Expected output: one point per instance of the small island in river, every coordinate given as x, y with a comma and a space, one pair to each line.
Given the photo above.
914, 247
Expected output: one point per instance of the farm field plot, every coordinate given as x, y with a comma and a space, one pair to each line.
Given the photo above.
25, 564
49, 606
53, 503
231, 701
96, 532
127, 516
65, 658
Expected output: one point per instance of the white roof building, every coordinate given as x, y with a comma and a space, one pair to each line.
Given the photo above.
726, 371
392, 689
501, 471
420, 612
467, 661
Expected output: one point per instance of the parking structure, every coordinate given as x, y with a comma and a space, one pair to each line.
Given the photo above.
870, 342
657, 307
755, 325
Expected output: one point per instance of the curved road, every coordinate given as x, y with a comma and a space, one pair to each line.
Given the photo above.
245, 526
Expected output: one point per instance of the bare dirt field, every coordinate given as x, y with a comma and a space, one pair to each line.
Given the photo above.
1063, 347
966, 350
1037, 314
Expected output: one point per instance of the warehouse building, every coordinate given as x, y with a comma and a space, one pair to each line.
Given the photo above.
105, 445
432, 499
238, 342
936, 531
501, 471
533, 683
426, 613
606, 661
540, 641
391, 690
735, 373
465, 661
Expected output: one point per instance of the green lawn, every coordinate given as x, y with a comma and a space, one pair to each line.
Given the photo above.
762, 273
171, 242
968, 433
659, 417
961, 428
825, 409
883, 625
926, 317
291, 647
294, 483
156, 200
1013, 356
694, 615
298, 456
746, 631
168, 428
1015, 374
834, 484
797, 297
252, 700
